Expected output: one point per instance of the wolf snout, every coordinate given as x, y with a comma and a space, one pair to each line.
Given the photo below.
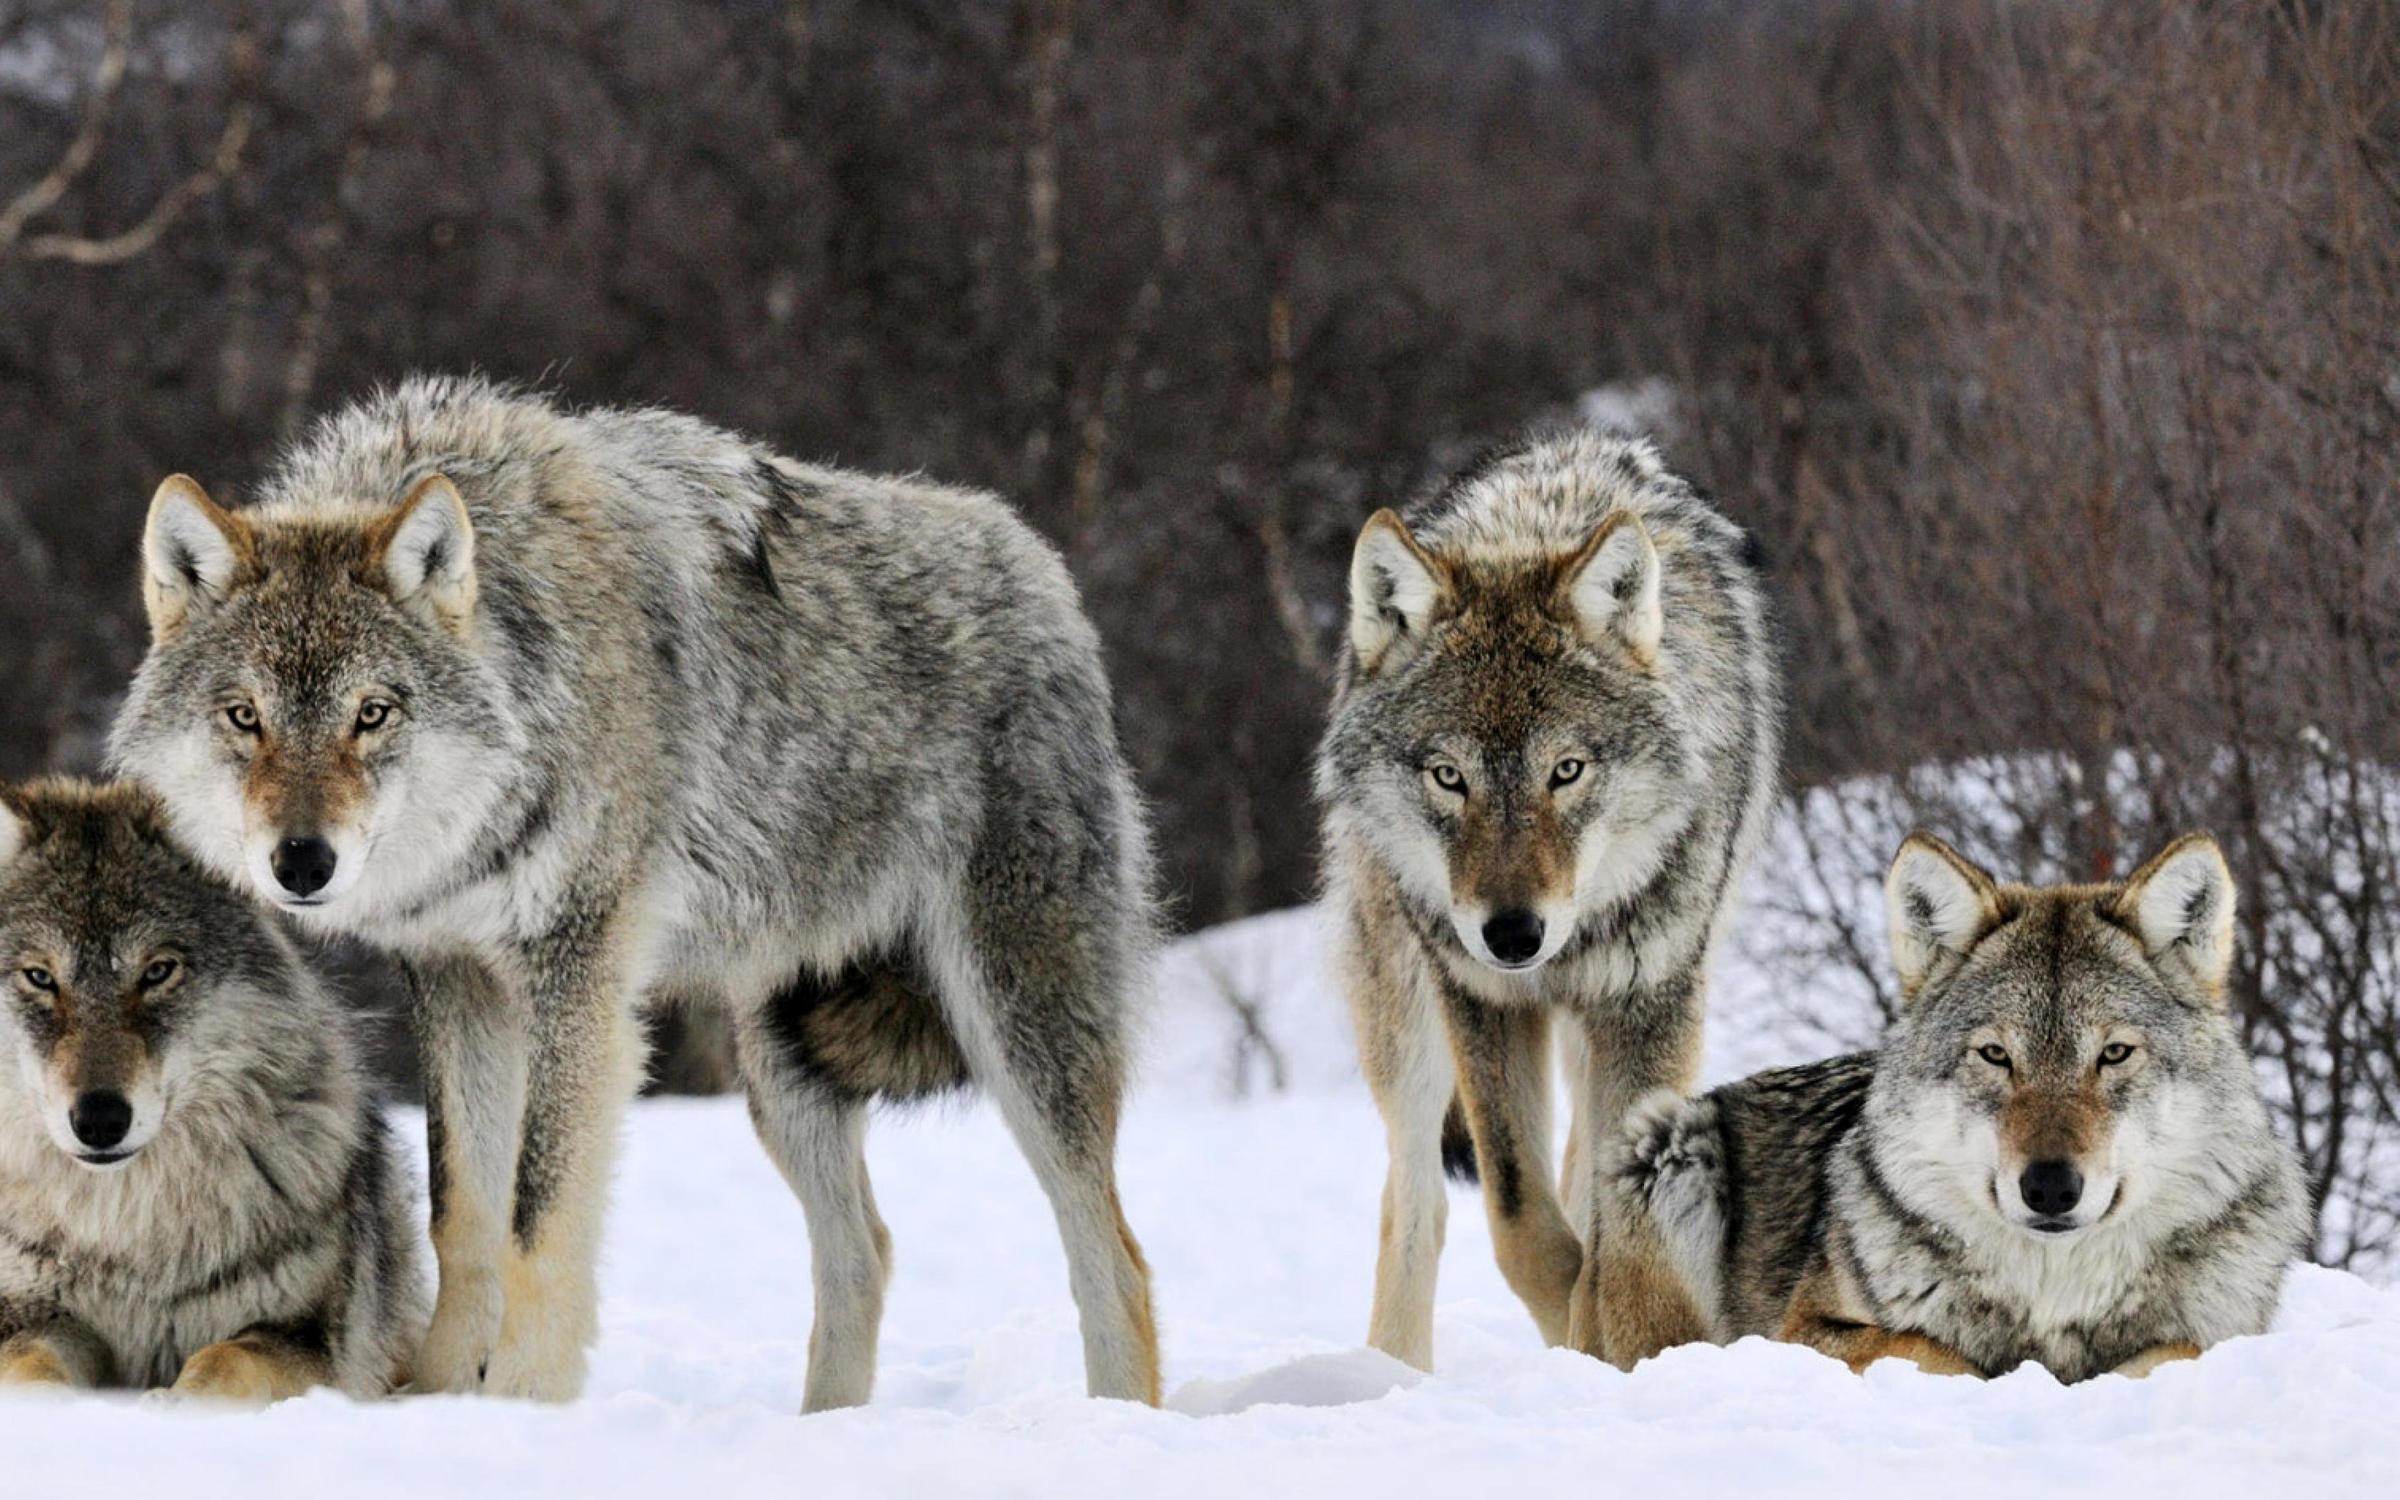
303, 866
2051, 1188
101, 1118
1514, 936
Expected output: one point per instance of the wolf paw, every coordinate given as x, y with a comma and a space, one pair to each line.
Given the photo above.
523, 1374
456, 1356
241, 1373
34, 1365
2150, 1359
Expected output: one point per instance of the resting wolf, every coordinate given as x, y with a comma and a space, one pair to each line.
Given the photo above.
1550, 758
571, 707
195, 1189
2058, 1155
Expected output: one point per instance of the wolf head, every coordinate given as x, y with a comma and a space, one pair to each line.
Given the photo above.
134, 979
1505, 734
311, 686
2063, 1054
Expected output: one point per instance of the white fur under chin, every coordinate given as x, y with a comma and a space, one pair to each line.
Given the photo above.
2081, 1277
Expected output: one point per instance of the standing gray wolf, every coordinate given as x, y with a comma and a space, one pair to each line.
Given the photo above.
1551, 756
195, 1188
2058, 1155
573, 708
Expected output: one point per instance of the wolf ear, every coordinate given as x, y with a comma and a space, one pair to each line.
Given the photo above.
1397, 589
190, 550
2180, 905
426, 551
1610, 586
1937, 903
12, 830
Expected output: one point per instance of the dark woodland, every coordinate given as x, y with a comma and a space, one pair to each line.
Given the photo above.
2051, 350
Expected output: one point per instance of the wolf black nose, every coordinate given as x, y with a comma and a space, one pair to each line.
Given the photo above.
303, 866
100, 1118
1513, 936
2051, 1187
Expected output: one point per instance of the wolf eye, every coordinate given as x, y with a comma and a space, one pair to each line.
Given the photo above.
372, 714
1997, 1056
42, 979
243, 717
1447, 777
160, 971
2115, 1053
1566, 772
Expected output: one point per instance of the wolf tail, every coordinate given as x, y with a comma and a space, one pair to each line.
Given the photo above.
1458, 1145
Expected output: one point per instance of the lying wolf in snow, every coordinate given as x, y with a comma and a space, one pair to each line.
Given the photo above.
195, 1188
2058, 1155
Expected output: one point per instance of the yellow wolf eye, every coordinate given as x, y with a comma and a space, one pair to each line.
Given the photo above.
372, 714
1566, 771
1997, 1056
1449, 780
2115, 1053
243, 717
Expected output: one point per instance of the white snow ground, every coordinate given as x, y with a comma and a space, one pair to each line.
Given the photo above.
1258, 1214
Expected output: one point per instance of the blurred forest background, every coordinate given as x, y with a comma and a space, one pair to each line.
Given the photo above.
2052, 349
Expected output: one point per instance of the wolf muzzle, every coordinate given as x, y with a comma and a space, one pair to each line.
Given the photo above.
303, 866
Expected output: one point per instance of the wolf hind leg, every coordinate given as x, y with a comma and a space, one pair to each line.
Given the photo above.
1036, 998
471, 1035
255, 1369
60, 1353
816, 1136
1657, 1225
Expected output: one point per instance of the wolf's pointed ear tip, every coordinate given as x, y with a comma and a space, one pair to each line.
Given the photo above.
1919, 844
2185, 852
434, 487
13, 828
177, 489
1385, 521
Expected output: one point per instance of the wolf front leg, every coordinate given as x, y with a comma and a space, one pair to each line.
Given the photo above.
54, 1351
471, 1036
1502, 1054
1630, 1302
1405, 1055
257, 1368
582, 1062
1822, 1318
